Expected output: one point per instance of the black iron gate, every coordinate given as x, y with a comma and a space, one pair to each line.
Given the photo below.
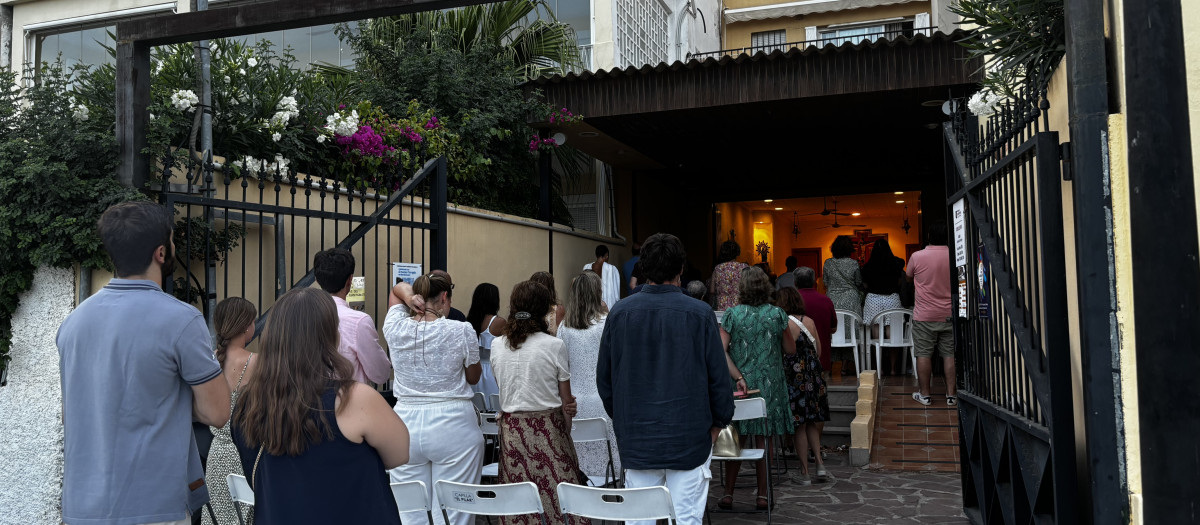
255, 236
1010, 314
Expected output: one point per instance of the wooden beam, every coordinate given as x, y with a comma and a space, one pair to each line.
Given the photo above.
264, 17
133, 97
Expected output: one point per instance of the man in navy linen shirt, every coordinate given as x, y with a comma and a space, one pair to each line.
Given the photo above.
664, 381
136, 366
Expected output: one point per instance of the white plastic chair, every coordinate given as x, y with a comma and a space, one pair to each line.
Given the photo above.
494, 403
480, 402
744, 409
488, 423
848, 335
240, 493
894, 330
649, 503
412, 496
589, 430
511, 499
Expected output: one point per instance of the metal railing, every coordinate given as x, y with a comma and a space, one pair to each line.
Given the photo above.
891, 34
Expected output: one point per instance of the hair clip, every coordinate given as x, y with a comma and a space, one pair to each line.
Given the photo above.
521, 316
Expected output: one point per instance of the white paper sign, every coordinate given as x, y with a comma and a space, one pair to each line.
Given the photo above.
960, 233
407, 272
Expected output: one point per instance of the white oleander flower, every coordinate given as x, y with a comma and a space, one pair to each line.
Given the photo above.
320, 139
984, 103
241, 71
227, 79
276, 136
251, 61
342, 125
80, 112
184, 100
213, 48
152, 117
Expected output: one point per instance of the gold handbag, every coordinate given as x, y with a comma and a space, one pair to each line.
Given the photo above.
728, 444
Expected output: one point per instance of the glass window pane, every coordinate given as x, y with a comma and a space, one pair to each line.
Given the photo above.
298, 41
578, 14
275, 37
49, 48
93, 46
325, 45
71, 46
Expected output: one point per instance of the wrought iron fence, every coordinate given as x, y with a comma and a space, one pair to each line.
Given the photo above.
1010, 320
890, 34
255, 236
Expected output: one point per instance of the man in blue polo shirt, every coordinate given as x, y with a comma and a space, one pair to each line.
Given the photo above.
664, 381
136, 366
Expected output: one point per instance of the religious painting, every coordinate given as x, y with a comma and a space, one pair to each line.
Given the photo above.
864, 241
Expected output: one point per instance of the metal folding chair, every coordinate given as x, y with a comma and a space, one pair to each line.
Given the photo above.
649, 503
240, 493
412, 496
510, 499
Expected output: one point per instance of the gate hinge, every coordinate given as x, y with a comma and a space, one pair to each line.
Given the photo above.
1064, 154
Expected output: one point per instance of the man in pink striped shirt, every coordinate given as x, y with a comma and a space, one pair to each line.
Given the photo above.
358, 342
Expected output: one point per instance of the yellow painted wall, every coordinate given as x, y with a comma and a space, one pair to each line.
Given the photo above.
1191, 43
737, 34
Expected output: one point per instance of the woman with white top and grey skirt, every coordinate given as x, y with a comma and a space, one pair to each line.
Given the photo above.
436, 360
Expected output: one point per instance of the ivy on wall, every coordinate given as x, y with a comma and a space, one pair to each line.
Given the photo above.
57, 165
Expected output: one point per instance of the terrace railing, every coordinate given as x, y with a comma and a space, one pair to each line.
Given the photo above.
891, 34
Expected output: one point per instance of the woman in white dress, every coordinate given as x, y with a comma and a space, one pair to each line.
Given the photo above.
485, 305
581, 331
435, 359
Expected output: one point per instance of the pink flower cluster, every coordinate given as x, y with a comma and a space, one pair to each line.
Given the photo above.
411, 135
433, 123
564, 116
366, 142
538, 142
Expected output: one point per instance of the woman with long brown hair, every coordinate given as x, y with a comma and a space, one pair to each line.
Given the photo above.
234, 323
436, 360
581, 331
532, 370
314, 444
557, 311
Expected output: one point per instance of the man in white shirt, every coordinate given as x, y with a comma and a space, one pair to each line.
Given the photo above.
359, 342
610, 279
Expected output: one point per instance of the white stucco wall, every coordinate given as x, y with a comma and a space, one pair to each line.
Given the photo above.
31, 432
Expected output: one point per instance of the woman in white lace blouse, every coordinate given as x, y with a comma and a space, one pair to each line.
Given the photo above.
435, 361
581, 330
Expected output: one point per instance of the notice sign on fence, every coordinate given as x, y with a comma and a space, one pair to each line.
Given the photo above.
960, 233
407, 272
357, 298
962, 292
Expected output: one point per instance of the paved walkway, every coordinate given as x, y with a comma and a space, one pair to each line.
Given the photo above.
855, 495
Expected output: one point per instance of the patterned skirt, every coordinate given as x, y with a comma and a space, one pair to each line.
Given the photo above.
537, 447
807, 395
878, 303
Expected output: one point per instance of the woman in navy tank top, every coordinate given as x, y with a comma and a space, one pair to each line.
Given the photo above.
314, 444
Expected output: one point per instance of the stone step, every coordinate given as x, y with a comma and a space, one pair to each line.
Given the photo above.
842, 395
835, 436
840, 415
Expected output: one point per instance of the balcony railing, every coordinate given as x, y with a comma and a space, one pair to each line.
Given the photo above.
820, 42
585, 59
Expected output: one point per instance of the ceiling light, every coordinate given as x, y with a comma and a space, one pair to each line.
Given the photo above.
778, 209
899, 202
855, 214
769, 200
933, 103
588, 134
899, 193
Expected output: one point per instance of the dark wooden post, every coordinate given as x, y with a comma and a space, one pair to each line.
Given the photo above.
438, 238
133, 96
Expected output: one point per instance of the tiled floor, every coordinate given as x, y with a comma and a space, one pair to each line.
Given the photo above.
911, 436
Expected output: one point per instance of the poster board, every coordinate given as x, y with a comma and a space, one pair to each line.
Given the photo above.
407, 272
357, 297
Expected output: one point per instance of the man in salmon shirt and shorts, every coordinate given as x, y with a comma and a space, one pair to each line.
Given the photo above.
929, 271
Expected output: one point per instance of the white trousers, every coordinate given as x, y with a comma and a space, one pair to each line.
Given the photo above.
689, 490
445, 443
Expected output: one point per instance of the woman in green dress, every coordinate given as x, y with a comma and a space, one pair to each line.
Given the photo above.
753, 332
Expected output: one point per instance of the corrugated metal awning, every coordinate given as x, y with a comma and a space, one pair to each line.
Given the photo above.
802, 7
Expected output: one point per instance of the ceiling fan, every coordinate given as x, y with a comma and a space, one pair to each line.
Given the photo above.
826, 210
835, 224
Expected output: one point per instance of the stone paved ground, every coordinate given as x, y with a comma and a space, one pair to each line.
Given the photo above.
854, 496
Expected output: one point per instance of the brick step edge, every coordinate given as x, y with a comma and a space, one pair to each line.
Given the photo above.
837, 431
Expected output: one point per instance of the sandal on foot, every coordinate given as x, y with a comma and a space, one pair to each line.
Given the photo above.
761, 503
952, 401
726, 502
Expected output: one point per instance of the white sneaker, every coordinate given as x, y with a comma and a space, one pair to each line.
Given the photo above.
924, 400
801, 479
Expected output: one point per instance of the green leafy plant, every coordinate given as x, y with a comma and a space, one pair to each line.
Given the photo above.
1019, 40
58, 157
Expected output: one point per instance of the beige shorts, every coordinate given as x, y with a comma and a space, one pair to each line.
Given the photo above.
928, 335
